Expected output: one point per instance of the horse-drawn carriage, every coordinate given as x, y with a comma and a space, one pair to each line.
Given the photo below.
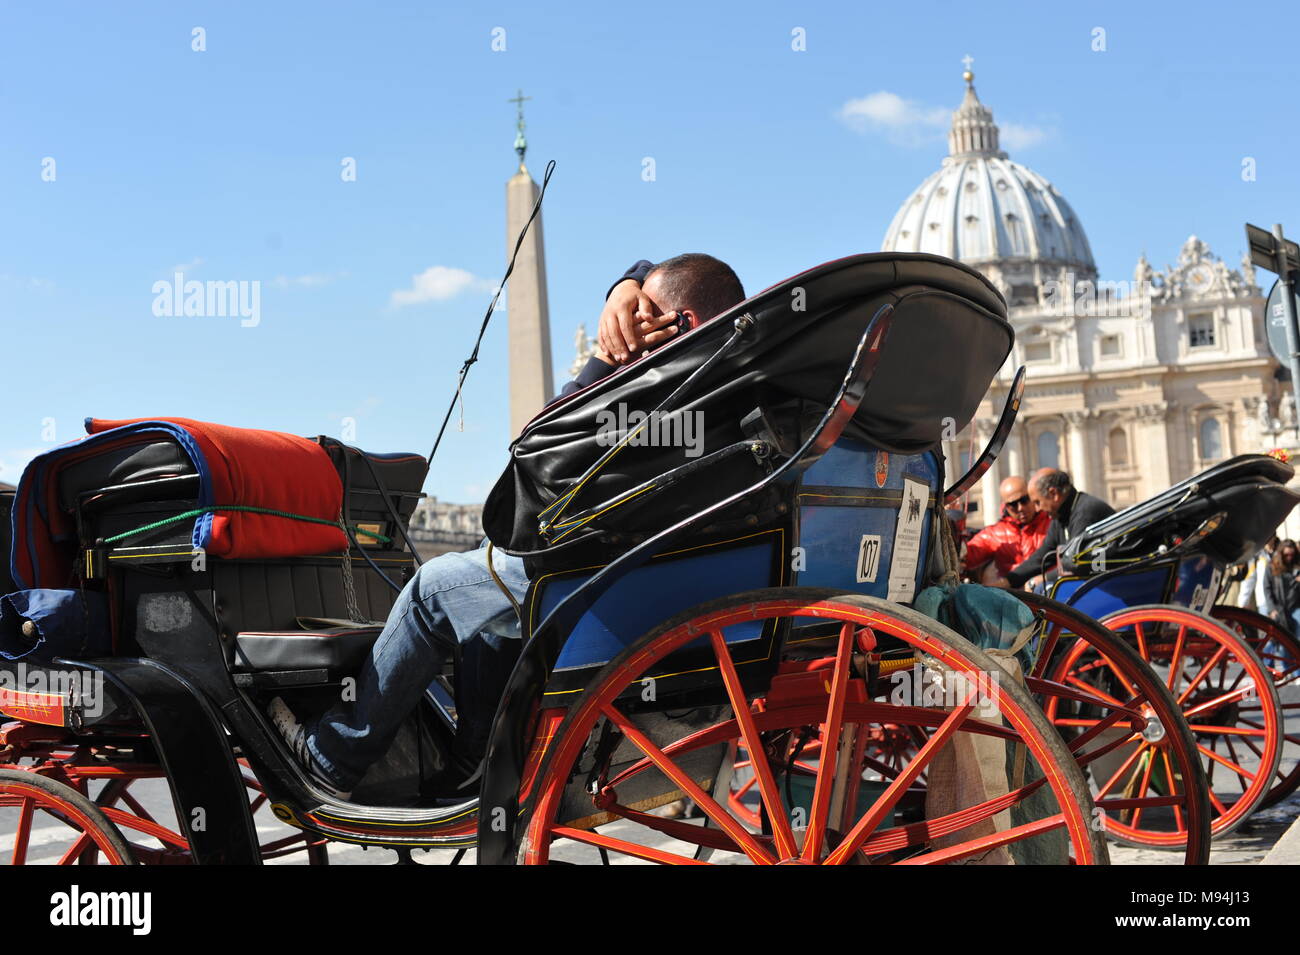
1154, 573
686, 613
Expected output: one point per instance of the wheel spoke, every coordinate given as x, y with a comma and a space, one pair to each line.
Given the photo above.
83, 842
23, 832
984, 844
1207, 705
1179, 825
1110, 783
1212, 729
1098, 727
1176, 659
753, 743
916, 833
726, 822
1236, 759
1094, 691
1219, 654
821, 803
1144, 786
1046, 649
1223, 760
1219, 807
1141, 641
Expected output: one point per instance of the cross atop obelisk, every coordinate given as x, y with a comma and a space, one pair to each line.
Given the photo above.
521, 145
526, 305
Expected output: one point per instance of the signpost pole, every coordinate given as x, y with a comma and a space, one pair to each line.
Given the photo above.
1286, 276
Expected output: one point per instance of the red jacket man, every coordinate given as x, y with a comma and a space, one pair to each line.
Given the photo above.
1015, 536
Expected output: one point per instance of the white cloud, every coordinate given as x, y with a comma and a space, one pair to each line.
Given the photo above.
190, 266
1014, 136
307, 281
13, 461
903, 121
29, 281
907, 122
438, 284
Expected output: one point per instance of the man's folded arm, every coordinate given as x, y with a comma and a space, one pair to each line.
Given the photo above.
592, 372
595, 369
638, 271
980, 549
1037, 562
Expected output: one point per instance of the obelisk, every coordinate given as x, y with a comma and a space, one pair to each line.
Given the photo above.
529, 318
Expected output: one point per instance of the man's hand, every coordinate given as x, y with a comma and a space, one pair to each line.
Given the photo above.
628, 324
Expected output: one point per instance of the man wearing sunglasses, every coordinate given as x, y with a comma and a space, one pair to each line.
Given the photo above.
998, 548
1071, 510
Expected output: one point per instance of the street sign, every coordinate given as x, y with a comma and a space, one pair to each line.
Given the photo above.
1275, 252
1265, 249
1275, 323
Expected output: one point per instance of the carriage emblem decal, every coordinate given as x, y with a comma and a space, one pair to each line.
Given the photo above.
882, 468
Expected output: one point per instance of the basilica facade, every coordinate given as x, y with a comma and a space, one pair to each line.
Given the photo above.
1132, 385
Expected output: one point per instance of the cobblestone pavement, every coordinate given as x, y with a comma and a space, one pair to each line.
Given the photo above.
1246, 846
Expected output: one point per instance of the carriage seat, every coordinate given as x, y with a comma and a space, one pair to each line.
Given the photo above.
334, 648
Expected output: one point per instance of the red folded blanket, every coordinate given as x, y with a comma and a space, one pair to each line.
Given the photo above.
236, 466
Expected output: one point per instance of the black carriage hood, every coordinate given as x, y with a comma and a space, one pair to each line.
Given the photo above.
949, 336
1250, 490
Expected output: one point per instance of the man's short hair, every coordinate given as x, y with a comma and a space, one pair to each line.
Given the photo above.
1053, 480
698, 282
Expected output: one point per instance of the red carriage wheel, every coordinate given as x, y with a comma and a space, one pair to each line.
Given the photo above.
1226, 695
1146, 773
1280, 652
149, 826
53, 824
1041, 809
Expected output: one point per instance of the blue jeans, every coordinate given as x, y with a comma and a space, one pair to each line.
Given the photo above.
1275, 650
452, 597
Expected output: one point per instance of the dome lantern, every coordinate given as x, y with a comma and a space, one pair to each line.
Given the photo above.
973, 131
992, 213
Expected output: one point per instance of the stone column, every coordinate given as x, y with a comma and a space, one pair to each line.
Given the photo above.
1249, 434
990, 503
1081, 463
1151, 443
1015, 455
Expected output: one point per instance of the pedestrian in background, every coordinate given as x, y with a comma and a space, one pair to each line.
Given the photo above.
1252, 596
1282, 590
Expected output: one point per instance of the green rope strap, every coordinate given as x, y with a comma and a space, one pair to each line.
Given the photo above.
243, 507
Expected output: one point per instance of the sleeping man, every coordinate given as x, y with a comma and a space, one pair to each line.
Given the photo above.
454, 598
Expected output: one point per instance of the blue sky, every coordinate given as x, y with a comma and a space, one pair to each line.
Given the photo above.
228, 161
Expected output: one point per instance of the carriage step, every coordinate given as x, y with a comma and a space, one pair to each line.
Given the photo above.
331, 648
270, 679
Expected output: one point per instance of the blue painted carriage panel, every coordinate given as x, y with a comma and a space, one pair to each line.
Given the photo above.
651, 594
1198, 582
1125, 590
865, 521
